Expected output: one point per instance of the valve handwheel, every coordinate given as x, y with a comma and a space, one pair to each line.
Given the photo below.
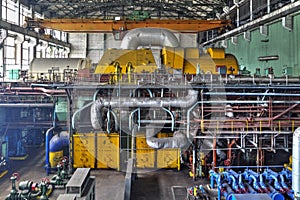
46, 180
17, 175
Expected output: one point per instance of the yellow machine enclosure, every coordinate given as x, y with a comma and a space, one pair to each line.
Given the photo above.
104, 155
191, 61
141, 60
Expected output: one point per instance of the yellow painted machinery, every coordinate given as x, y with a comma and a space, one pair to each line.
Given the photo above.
102, 150
185, 60
140, 110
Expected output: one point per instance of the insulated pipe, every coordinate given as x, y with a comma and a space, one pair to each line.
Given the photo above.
149, 37
78, 111
48, 91
127, 102
179, 139
296, 163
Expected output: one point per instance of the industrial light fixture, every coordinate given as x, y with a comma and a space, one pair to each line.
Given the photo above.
267, 58
117, 18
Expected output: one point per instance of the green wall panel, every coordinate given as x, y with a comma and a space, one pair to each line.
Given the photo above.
279, 41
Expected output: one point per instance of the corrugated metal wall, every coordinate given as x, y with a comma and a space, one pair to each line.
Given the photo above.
279, 41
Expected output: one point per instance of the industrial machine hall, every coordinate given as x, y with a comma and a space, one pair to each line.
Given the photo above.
150, 100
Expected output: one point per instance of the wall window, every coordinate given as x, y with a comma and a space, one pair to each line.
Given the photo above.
10, 11
10, 54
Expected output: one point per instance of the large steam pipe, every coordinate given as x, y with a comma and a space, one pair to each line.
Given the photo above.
78, 111
144, 102
149, 36
33, 89
296, 163
179, 139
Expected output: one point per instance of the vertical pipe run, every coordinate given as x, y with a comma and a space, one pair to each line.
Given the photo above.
194, 162
251, 10
48, 137
214, 152
296, 163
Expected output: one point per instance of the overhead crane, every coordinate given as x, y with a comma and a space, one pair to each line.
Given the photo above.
100, 25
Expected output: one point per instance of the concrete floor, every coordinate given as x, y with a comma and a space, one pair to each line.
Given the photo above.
158, 184
148, 185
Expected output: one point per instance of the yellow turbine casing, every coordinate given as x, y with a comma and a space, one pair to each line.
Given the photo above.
142, 60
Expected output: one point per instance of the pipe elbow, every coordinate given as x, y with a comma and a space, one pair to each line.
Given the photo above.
149, 36
59, 141
179, 140
96, 117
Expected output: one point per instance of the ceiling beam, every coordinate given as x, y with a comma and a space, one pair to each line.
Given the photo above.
98, 25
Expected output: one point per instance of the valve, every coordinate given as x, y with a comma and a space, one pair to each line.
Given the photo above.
13, 192
64, 164
44, 187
